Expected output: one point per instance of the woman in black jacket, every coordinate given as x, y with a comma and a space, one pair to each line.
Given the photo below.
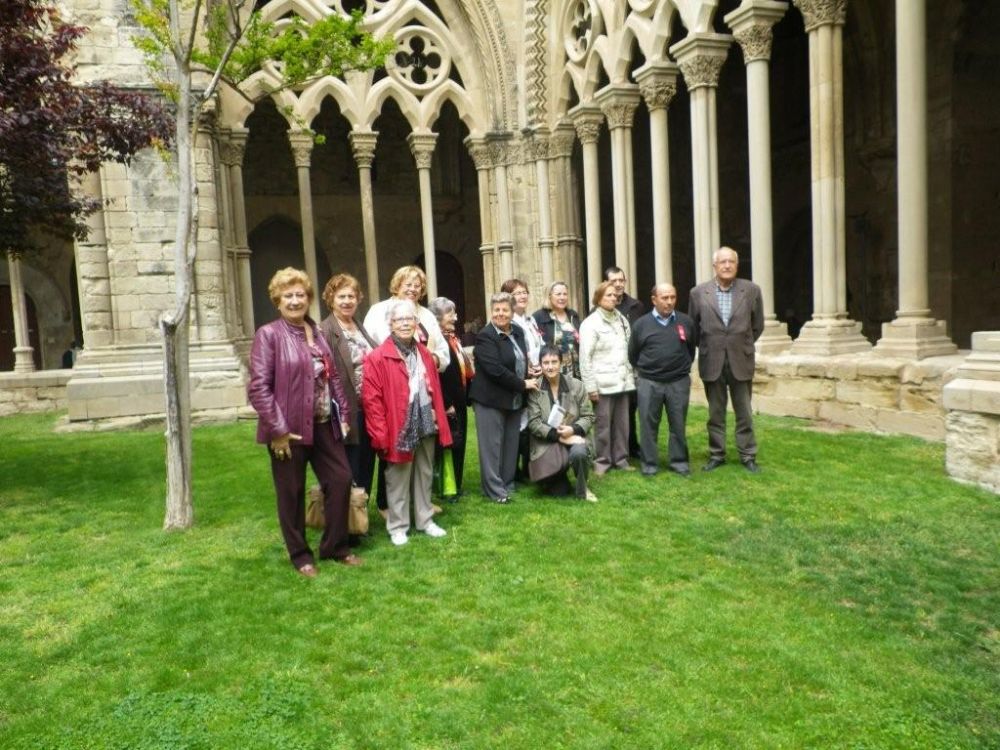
498, 396
560, 326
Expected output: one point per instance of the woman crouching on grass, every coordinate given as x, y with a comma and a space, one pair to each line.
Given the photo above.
303, 418
560, 417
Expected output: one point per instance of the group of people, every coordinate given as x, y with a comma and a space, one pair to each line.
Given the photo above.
552, 393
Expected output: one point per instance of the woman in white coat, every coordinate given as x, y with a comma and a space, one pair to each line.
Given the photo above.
607, 376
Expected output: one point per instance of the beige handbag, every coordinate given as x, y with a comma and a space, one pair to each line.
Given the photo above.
357, 511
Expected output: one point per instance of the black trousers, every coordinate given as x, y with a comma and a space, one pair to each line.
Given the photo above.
329, 462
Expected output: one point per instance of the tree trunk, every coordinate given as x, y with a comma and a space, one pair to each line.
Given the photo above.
175, 324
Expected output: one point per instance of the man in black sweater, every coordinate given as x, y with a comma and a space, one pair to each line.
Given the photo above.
661, 350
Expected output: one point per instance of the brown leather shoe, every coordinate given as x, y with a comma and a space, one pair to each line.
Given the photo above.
350, 560
308, 570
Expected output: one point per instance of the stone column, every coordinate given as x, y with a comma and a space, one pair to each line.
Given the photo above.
422, 148
972, 398
914, 334
363, 146
618, 103
658, 85
499, 146
752, 26
539, 153
567, 235
227, 232
830, 331
479, 152
700, 56
588, 119
302, 146
237, 149
23, 359
92, 275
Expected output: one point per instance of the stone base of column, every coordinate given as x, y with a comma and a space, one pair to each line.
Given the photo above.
972, 440
24, 360
915, 338
127, 381
775, 338
830, 336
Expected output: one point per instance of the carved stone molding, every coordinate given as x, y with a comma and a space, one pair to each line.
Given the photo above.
755, 41
502, 150
818, 13
302, 145
363, 147
422, 148
701, 70
536, 148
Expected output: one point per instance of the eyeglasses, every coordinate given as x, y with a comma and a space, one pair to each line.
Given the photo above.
404, 319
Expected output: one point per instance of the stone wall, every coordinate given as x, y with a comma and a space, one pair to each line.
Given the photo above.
31, 392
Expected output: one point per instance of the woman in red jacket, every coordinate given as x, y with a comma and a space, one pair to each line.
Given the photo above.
302, 417
405, 417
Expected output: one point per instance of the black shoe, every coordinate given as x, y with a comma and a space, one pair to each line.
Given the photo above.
751, 466
713, 464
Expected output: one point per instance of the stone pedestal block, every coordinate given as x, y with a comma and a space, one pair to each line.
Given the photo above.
972, 441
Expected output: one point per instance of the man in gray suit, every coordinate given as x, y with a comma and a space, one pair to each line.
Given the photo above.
729, 314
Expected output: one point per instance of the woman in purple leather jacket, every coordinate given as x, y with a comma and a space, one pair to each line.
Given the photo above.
302, 418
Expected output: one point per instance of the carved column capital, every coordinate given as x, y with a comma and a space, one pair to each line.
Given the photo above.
657, 84
618, 103
363, 147
816, 13
501, 149
12, 254
302, 143
422, 148
700, 57
231, 150
587, 119
561, 141
752, 24
479, 152
536, 145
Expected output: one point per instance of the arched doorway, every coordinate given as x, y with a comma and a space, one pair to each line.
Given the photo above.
450, 281
7, 338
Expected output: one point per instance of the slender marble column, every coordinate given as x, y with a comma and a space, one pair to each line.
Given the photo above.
588, 119
499, 147
700, 56
830, 331
302, 146
237, 146
914, 334
479, 151
363, 146
422, 148
752, 26
658, 85
618, 103
539, 153
23, 359
92, 274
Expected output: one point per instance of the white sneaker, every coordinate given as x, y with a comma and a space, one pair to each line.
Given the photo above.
590, 497
398, 538
433, 530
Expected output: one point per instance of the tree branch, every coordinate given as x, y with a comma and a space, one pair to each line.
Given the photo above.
194, 31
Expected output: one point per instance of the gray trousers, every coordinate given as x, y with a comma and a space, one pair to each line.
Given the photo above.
610, 431
411, 479
654, 397
498, 432
717, 392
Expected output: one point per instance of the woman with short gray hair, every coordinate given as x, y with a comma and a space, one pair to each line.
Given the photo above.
455, 379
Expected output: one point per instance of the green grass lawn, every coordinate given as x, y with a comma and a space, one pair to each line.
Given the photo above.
847, 597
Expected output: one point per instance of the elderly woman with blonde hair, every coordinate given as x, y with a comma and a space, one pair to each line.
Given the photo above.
607, 375
303, 417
